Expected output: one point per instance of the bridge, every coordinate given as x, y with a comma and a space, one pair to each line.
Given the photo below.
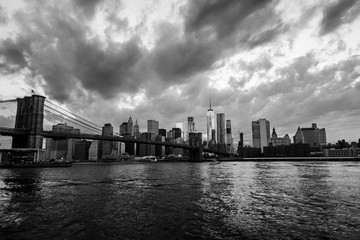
28, 131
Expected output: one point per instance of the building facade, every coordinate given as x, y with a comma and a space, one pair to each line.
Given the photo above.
220, 121
210, 124
278, 141
153, 126
261, 133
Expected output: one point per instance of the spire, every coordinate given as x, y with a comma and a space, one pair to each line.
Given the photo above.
210, 106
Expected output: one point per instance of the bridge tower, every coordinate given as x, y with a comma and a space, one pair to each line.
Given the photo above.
29, 116
195, 139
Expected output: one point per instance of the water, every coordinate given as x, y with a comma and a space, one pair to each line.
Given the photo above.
263, 200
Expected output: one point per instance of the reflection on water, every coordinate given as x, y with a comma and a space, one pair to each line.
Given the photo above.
265, 200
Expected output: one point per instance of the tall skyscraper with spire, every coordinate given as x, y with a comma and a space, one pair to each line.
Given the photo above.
210, 120
136, 130
130, 128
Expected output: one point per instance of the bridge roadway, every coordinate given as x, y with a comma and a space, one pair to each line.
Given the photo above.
64, 135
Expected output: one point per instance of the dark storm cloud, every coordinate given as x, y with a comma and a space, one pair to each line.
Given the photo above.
13, 53
57, 48
343, 11
88, 7
223, 16
175, 59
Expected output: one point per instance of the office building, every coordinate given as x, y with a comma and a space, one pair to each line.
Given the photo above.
260, 133
314, 136
153, 126
210, 124
130, 127
107, 146
136, 130
123, 129
220, 121
299, 136
278, 141
176, 133
190, 125
229, 139
82, 150
61, 148
147, 149
162, 132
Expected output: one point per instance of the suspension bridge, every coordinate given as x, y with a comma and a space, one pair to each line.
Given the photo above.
29, 133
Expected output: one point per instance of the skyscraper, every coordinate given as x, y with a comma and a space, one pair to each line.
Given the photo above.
123, 129
210, 123
130, 129
220, 119
191, 124
106, 146
261, 133
229, 140
153, 127
136, 130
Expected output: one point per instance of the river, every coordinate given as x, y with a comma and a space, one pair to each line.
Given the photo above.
231, 200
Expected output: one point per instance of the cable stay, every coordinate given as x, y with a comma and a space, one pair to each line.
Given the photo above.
8, 100
73, 114
51, 113
74, 119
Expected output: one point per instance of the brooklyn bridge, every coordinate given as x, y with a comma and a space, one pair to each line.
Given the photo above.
28, 131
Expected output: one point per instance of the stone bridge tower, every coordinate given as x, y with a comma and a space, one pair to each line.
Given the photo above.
29, 116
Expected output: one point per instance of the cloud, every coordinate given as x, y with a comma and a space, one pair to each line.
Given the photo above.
14, 54
3, 16
57, 48
343, 11
223, 16
88, 7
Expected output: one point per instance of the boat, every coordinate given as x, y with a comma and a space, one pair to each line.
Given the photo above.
147, 159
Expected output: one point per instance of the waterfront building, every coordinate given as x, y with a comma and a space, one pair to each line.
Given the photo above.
136, 130
153, 126
314, 136
299, 136
82, 150
210, 124
229, 139
220, 120
94, 150
160, 150
261, 133
147, 149
107, 146
61, 148
277, 141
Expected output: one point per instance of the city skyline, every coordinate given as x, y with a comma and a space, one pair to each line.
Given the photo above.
296, 63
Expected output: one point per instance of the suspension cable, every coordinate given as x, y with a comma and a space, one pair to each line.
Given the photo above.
72, 113
74, 119
59, 116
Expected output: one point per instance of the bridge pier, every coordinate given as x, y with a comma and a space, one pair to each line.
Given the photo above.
195, 155
29, 116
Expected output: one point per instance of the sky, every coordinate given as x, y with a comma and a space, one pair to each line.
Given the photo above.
291, 62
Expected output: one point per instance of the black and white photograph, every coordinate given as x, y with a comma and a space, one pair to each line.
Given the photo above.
179, 119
